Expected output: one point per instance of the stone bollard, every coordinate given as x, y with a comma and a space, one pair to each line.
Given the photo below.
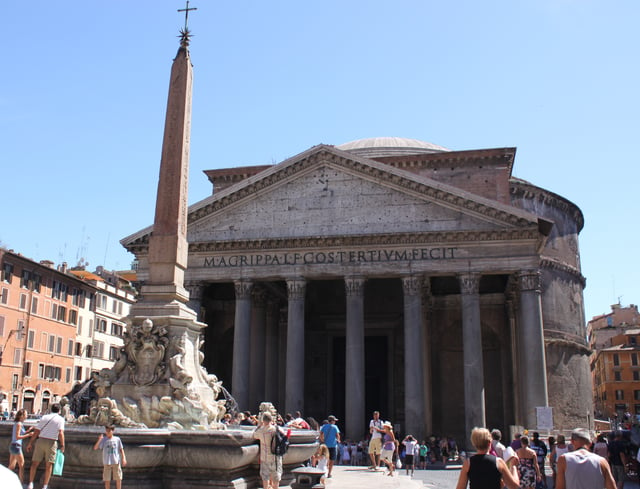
307, 477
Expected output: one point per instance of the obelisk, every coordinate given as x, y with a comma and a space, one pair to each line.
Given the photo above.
164, 291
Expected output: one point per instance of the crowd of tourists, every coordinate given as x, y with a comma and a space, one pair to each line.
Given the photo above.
581, 463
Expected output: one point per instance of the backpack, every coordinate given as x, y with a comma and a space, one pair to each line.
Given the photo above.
279, 442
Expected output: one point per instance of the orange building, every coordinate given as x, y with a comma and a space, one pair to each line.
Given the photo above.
40, 310
615, 365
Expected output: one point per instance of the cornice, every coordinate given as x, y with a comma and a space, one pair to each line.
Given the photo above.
397, 239
522, 189
551, 264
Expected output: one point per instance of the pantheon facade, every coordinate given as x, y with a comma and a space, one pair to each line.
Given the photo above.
395, 275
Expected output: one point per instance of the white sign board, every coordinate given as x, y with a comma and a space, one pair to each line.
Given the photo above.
544, 416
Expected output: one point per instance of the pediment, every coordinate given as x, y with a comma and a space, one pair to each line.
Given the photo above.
326, 192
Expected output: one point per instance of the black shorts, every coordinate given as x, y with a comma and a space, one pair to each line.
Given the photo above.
333, 453
423, 458
408, 459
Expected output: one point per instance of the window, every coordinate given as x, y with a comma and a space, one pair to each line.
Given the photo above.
62, 314
80, 325
116, 329
636, 375
98, 349
54, 311
617, 376
68, 375
113, 353
36, 280
55, 290
636, 394
1, 325
70, 348
59, 345
7, 272
74, 296
34, 305
4, 296
632, 340
114, 306
616, 359
78, 349
24, 279
619, 395
73, 317
90, 327
120, 308
20, 331
103, 301
101, 325
89, 351
52, 344
634, 359
17, 356
78, 375
14, 382
31, 338
604, 396
26, 370
23, 302
51, 372
43, 344
82, 298
41, 371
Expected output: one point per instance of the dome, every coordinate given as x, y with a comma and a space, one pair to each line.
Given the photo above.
389, 146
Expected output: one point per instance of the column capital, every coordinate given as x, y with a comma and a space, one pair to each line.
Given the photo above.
259, 297
354, 286
530, 280
195, 290
412, 285
243, 288
469, 283
296, 288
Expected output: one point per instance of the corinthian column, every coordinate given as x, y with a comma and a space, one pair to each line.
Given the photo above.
474, 407
257, 342
241, 345
294, 383
354, 375
271, 364
530, 342
413, 367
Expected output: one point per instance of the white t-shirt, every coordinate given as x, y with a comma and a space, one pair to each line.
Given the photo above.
50, 426
377, 424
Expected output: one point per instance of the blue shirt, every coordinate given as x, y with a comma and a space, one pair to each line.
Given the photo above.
330, 432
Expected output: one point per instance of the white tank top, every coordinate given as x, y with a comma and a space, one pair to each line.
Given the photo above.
583, 470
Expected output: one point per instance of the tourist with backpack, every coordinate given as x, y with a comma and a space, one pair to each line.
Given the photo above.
272, 448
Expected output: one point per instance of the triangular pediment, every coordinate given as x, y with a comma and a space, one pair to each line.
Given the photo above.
327, 192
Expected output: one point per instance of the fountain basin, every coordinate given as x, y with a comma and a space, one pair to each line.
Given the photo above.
168, 459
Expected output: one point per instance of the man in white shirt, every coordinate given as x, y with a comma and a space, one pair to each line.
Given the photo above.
50, 438
375, 444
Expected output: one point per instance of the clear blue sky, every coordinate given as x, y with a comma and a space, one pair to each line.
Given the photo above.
84, 88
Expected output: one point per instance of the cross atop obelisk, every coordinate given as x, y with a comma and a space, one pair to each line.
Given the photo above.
185, 34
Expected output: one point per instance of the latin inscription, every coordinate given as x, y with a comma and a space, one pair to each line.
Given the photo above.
330, 257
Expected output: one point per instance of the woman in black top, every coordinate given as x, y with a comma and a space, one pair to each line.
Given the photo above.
484, 471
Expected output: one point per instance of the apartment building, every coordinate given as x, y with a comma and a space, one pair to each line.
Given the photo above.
615, 363
56, 327
98, 344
